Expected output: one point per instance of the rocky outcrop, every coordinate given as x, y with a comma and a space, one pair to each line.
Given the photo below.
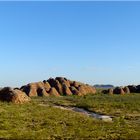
36, 89
56, 87
123, 90
118, 90
13, 95
53, 92
126, 90
52, 87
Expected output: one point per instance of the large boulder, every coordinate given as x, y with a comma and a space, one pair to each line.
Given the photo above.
13, 95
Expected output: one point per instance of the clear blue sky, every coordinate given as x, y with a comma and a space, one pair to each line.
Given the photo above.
92, 42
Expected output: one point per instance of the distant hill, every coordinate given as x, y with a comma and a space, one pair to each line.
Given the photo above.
103, 86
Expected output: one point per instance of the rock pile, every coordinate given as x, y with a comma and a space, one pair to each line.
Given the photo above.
123, 90
57, 87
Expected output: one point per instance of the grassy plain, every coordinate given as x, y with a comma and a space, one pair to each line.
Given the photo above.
32, 121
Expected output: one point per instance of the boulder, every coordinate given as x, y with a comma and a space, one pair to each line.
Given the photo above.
13, 95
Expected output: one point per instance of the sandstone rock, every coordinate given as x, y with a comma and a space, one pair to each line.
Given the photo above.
76, 84
110, 91
118, 90
89, 89
66, 90
138, 88
92, 89
63, 81
20, 97
132, 88
126, 90
35, 89
75, 91
46, 86
59, 87
52, 82
53, 92
82, 89
13, 95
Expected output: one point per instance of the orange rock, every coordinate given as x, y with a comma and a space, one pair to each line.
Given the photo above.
66, 90
53, 92
13, 95
126, 90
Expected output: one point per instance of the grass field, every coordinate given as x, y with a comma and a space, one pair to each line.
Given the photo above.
32, 121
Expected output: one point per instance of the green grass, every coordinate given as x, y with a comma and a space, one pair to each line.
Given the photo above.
32, 121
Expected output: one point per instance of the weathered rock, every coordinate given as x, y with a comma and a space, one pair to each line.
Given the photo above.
110, 91
63, 81
76, 84
75, 91
66, 90
59, 87
118, 90
13, 95
46, 86
138, 88
62, 86
20, 97
53, 92
126, 90
35, 89
82, 89
132, 88
89, 89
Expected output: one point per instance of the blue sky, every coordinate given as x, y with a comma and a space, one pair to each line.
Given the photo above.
92, 42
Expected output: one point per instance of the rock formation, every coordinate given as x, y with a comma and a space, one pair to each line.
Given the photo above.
56, 87
123, 90
13, 95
